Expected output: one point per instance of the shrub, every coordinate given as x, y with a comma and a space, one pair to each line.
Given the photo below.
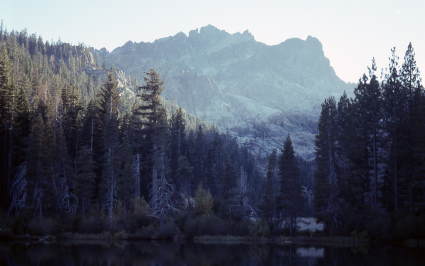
409, 225
43, 226
147, 232
133, 223
167, 230
140, 207
260, 228
120, 235
91, 225
67, 223
204, 201
205, 225
238, 228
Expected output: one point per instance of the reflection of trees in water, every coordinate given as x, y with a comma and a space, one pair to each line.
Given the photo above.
148, 253
164, 254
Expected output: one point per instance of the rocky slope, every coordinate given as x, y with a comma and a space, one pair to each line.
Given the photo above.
257, 92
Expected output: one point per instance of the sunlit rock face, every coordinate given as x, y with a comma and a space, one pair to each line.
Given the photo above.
257, 92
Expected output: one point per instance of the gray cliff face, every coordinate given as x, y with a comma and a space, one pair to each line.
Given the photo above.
257, 92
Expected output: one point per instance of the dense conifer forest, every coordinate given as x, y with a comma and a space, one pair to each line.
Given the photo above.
370, 154
80, 153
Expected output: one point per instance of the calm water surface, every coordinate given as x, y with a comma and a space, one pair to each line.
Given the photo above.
164, 254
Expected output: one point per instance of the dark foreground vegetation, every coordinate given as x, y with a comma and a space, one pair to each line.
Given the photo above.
371, 155
84, 157
82, 154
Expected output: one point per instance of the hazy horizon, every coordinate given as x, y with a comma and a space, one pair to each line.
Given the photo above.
351, 32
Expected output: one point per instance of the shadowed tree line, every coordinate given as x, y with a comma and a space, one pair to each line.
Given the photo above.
371, 154
79, 155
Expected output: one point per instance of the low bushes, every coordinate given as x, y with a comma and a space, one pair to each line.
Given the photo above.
43, 226
204, 225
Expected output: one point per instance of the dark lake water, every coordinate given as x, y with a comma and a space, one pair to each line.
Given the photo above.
164, 254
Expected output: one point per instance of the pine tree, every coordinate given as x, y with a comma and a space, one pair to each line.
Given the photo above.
207, 160
325, 175
108, 112
89, 129
395, 108
6, 120
85, 180
134, 138
185, 176
345, 145
199, 160
71, 111
22, 125
91, 138
368, 108
41, 165
268, 204
150, 115
125, 183
290, 200
410, 78
410, 81
177, 139
230, 202
65, 181
163, 188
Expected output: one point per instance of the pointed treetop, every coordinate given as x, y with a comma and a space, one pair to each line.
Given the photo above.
409, 71
372, 69
288, 148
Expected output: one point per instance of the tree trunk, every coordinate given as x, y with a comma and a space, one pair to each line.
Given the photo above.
136, 175
375, 170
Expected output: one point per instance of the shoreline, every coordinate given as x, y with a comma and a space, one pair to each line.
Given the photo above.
103, 238
332, 241
325, 241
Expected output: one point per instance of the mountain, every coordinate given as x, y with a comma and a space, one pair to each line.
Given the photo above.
259, 93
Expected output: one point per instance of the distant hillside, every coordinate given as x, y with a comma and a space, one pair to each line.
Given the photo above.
257, 92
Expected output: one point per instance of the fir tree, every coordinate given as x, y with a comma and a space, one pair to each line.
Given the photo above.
395, 108
325, 175
268, 204
85, 180
368, 105
108, 112
290, 200
6, 118
150, 114
177, 139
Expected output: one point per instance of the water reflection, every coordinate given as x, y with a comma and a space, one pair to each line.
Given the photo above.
164, 254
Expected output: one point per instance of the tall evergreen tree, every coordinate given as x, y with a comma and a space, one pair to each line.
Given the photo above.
151, 114
108, 112
368, 125
85, 180
6, 120
290, 199
177, 139
268, 204
41, 188
395, 109
326, 173
410, 81
125, 183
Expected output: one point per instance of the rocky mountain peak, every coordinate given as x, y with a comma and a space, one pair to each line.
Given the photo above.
257, 92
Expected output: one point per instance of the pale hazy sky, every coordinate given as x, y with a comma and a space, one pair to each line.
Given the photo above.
351, 31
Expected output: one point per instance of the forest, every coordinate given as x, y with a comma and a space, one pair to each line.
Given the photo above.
370, 154
78, 155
